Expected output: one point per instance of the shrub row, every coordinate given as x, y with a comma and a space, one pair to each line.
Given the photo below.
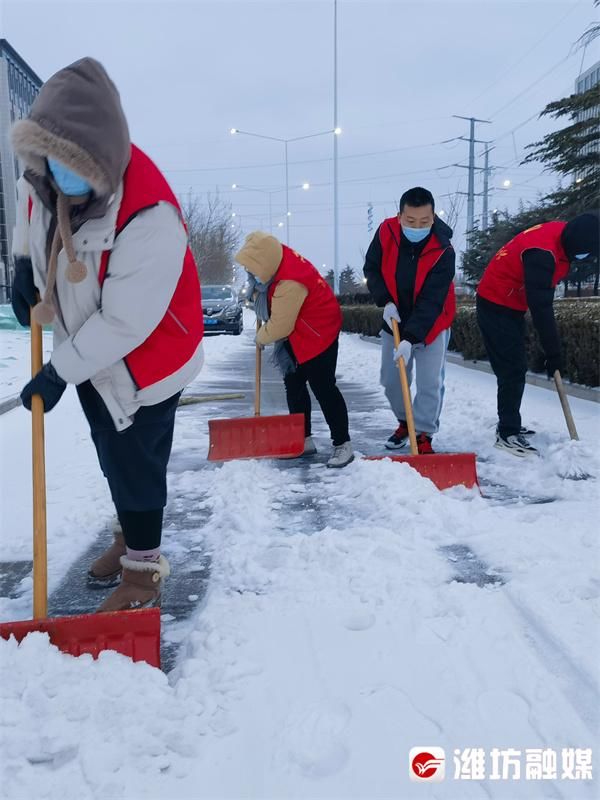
355, 299
578, 324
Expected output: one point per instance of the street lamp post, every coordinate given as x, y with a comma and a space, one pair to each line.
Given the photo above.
287, 196
336, 210
335, 131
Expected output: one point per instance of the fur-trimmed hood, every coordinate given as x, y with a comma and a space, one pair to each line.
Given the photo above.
78, 120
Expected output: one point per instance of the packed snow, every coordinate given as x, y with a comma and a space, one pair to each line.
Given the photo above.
339, 630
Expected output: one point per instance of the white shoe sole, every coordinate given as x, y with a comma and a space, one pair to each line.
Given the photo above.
340, 466
105, 581
516, 451
391, 446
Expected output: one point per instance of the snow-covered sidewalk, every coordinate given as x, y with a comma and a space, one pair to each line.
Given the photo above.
334, 636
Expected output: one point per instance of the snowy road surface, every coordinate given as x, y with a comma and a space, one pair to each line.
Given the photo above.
349, 616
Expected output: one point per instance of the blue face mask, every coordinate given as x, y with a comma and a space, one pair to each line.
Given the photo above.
68, 182
415, 235
582, 256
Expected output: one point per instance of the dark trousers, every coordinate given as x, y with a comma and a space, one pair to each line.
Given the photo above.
134, 462
319, 373
504, 338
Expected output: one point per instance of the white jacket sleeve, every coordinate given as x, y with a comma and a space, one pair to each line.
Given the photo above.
20, 241
144, 268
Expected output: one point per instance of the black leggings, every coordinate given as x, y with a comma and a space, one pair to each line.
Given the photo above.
319, 373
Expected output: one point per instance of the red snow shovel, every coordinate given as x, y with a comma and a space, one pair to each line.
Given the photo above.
256, 437
133, 633
444, 469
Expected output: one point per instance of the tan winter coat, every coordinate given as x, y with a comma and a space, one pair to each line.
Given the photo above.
261, 255
77, 119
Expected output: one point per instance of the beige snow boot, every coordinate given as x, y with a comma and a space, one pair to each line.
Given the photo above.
105, 571
140, 587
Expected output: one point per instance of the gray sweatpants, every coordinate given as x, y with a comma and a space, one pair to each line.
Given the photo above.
430, 363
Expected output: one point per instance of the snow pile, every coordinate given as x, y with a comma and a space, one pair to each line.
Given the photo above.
75, 727
570, 460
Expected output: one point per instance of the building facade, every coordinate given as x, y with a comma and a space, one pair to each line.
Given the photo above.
586, 81
19, 86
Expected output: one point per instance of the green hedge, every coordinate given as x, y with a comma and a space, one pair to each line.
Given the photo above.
578, 325
355, 299
363, 319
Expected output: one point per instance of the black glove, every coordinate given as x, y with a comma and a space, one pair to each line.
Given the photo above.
552, 364
24, 293
46, 383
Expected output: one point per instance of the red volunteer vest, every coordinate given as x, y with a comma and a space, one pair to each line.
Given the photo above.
176, 337
503, 281
390, 238
320, 319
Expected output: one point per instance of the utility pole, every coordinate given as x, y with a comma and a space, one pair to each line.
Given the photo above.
287, 196
486, 173
471, 168
336, 209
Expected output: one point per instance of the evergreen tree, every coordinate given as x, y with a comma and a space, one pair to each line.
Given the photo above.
573, 152
348, 282
504, 226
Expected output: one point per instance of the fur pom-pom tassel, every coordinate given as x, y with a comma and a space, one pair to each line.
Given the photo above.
43, 313
76, 272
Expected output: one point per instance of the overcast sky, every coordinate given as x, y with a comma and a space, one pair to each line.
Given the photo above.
190, 71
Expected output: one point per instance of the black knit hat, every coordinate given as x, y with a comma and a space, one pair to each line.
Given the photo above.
582, 235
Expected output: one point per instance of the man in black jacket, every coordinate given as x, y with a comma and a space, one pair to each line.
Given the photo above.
409, 269
523, 275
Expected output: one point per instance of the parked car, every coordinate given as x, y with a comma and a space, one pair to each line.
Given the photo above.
222, 310
245, 295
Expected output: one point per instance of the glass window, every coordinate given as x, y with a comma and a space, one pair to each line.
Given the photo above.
217, 293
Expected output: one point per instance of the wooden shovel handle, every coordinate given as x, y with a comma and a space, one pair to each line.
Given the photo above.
562, 395
40, 554
257, 376
410, 420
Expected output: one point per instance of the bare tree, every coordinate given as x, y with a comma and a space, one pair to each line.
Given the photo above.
454, 206
213, 237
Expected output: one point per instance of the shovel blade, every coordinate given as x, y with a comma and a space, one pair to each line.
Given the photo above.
256, 437
443, 469
135, 634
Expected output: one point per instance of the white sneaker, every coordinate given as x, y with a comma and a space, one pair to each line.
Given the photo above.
517, 444
343, 454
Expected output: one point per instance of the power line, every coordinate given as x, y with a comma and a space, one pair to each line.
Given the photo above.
526, 55
531, 85
311, 160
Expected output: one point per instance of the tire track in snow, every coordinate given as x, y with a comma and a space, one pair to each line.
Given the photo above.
576, 685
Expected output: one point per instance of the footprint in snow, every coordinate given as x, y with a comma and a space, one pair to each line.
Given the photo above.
359, 620
505, 712
316, 738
